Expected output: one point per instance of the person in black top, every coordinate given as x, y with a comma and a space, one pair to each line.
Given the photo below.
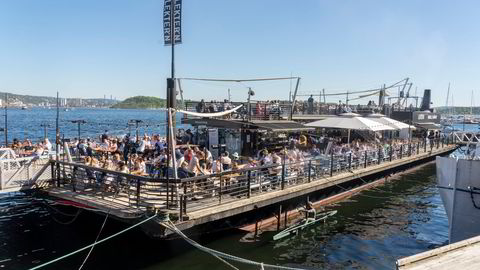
310, 104
104, 136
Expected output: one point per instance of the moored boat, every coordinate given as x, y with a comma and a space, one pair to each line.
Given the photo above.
458, 180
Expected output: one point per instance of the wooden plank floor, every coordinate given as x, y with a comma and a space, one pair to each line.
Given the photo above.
118, 206
198, 215
462, 255
209, 209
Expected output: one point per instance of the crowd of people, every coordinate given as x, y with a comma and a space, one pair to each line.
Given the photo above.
26, 148
147, 155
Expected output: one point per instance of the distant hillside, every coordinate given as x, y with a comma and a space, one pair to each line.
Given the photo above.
458, 110
19, 100
141, 102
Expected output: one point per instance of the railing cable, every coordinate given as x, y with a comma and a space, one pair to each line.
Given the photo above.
96, 243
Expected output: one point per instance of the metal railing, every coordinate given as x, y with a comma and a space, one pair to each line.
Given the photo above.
127, 189
22, 173
200, 192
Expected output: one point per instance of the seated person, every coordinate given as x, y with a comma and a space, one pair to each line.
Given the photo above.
226, 161
310, 211
183, 171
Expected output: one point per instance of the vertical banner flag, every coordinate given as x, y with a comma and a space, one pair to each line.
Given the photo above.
177, 21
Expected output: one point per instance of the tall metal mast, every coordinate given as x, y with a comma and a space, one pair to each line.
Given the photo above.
6, 120
448, 96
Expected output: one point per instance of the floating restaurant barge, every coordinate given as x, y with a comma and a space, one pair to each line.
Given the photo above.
227, 199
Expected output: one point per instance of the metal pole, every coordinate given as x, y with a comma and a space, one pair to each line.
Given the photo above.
294, 98
57, 139
6, 120
331, 164
136, 127
172, 38
44, 131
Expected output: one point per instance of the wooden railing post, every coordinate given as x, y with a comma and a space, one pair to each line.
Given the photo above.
391, 152
366, 158
379, 155
168, 192
185, 198
249, 184
418, 148
309, 170
220, 190
138, 192
181, 207
350, 161
283, 176
401, 151
54, 175
331, 164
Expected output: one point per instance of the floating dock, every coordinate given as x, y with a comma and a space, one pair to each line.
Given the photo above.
228, 199
461, 255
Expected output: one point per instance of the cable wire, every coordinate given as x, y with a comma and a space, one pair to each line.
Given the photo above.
88, 246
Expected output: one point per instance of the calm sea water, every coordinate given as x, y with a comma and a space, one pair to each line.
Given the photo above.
29, 123
370, 231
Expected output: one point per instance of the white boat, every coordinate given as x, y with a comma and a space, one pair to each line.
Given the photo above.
458, 181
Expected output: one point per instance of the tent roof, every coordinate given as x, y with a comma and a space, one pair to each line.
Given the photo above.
390, 122
280, 125
375, 115
269, 125
429, 125
355, 123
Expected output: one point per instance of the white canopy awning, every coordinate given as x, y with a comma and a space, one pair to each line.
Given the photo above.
350, 121
210, 115
380, 118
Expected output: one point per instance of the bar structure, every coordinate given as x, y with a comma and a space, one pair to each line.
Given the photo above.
205, 200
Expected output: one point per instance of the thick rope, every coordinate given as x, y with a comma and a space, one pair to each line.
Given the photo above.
226, 256
86, 247
68, 222
96, 240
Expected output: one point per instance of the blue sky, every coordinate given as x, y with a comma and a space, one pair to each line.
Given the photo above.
88, 48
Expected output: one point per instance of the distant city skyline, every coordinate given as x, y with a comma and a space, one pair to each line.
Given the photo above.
115, 47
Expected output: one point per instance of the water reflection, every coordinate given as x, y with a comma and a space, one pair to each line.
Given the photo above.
370, 231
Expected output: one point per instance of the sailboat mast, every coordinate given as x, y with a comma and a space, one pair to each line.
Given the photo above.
448, 95
471, 104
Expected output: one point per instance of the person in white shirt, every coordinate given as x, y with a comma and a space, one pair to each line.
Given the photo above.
141, 146
47, 144
208, 155
226, 161
104, 144
179, 159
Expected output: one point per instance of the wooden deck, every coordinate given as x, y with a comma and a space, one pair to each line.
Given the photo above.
461, 255
227, 209
207, 210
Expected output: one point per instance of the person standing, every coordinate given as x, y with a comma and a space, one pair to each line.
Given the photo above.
310, 105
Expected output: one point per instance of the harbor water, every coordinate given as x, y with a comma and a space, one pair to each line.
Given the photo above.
371, 230
34, 123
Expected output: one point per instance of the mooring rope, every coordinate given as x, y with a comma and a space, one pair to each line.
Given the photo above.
96, 240
68, 222
96, 243
390, 192
169, 225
